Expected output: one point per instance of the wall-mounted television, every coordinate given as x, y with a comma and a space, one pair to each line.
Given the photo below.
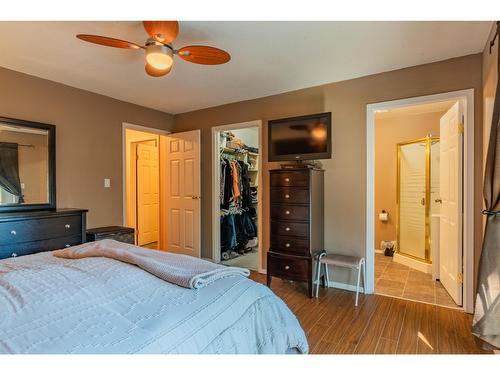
300, 138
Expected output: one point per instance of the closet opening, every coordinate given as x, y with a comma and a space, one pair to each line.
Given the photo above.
237, 212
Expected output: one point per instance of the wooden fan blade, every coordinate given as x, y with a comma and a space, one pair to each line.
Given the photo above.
109, 42
204, 55
162, 31
153, 72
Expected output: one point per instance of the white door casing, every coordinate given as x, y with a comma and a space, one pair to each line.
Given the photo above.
450, 176
147, 194
182, 203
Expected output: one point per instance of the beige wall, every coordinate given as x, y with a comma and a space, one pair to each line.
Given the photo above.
345, 178
88, 139
388, 133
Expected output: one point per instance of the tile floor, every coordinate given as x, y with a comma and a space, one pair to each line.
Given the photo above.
397, 280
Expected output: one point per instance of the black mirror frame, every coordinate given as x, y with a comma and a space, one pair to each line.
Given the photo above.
51, 205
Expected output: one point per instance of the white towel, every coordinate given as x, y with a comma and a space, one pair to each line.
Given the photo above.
183, 270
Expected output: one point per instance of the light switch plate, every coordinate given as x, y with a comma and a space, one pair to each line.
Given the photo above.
107, 182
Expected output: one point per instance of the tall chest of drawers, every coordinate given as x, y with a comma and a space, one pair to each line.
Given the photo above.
24, 233
297, 223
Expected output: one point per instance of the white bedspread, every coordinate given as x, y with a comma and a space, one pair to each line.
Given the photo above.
100, 305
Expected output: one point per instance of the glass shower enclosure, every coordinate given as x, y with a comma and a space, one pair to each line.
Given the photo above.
417, 190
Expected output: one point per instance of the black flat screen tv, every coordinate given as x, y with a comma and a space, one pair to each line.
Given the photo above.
300, 138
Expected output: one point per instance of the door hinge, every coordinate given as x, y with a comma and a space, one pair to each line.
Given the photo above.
460, 278
461, 128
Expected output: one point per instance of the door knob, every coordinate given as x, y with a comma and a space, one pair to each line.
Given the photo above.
195, 197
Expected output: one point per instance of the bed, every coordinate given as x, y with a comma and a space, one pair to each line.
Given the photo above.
101, 305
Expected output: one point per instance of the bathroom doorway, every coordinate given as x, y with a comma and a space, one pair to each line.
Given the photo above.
418, 193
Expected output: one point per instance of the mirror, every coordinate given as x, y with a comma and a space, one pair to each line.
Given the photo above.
27, 165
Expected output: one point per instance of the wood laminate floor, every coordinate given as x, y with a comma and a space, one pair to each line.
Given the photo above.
380, 324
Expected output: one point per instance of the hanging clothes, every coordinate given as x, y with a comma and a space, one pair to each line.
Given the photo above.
237, 223
236, 181
227, 186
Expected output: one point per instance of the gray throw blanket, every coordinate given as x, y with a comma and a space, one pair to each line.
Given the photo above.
182, 270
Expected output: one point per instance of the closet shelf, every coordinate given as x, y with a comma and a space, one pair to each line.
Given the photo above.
234, 150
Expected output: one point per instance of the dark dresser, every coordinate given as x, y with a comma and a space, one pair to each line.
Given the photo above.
297, 223
24, 233
122, 234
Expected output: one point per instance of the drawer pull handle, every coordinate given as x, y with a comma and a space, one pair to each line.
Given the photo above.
287, 229
67, 245
287, 196
13, 232
287, 212
67, 226
287, 267
287, 245
287, 179
14, 255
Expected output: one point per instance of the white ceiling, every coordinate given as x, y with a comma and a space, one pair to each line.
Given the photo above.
267, 57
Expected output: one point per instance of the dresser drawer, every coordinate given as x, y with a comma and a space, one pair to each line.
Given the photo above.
284, 228
289, 195
19, 249
288, 267
290, 178
40, 229
289, 212
290, 245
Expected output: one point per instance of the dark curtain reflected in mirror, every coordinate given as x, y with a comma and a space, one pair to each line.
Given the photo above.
27, 165
9, 170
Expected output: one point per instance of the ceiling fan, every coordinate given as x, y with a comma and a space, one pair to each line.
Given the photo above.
159, 50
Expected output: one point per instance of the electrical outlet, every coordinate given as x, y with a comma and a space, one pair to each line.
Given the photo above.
107, 182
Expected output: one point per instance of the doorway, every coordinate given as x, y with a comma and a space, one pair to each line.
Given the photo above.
237, 207
161, 188
142, 186
419, 188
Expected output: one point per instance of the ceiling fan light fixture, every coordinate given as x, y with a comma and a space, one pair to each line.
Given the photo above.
159, 56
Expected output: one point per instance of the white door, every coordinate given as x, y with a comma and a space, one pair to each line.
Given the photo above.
450, 175
147, 194
181, 179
